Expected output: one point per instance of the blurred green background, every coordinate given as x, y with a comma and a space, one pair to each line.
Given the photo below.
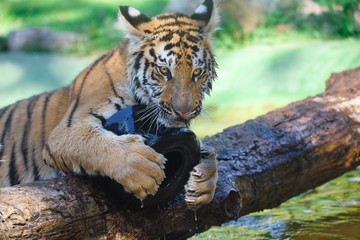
270, 53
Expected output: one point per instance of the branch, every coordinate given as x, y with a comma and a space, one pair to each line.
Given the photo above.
262, 163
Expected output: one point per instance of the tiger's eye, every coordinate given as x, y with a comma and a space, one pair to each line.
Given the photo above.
164, 70
197, 72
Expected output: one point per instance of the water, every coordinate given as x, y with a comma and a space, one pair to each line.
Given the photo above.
330, 211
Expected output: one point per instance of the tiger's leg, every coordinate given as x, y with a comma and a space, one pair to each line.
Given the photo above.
201, 185
86, 148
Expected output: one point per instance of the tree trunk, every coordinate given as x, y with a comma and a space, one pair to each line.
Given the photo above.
262, 163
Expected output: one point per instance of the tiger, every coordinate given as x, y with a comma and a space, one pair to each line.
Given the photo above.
165, 62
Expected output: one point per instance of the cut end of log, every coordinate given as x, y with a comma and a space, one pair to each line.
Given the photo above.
232, 205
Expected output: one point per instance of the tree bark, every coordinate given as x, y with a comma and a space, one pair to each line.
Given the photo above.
262, 163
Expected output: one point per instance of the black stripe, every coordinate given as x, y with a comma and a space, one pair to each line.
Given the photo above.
195, 48
7, 125
113, 87
192, 38
155, 75
166, 17
35, 167
27, 127
69, 120
108, 56
175, 23
83, 171
146, 67
167, 37
171, 53
50, 154
66, 166
195, 31
137, 60
209, 84
152, 53
43, 116
157, 91
201, 62
162, 59
171, 45
6, 129
180, 33
205, 54
137, 82
13, 175
24, 147
3, 110
117, 106
100, 117
137, 99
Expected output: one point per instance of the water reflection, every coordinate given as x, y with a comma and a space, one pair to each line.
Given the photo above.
331, 211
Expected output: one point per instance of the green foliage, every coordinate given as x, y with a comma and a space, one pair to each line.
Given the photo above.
332, 23
93, 18
335, 23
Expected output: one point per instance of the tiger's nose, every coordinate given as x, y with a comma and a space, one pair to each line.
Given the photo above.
183, 107
182, 110
182, 114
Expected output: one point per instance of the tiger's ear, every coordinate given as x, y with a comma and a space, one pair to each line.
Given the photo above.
130, 19
206, 13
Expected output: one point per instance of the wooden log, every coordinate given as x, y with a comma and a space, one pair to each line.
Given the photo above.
262, 163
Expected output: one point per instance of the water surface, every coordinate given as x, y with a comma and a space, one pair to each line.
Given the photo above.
330, 211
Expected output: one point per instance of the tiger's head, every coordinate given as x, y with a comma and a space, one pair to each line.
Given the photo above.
170, 63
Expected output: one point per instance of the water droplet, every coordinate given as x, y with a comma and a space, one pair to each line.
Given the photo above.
195, 216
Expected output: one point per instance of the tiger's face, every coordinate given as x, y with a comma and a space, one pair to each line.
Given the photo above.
170, 63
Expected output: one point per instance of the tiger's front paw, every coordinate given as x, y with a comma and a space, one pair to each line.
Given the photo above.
143, 170
201, 185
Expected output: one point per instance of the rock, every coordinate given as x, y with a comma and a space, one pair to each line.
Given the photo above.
41, 39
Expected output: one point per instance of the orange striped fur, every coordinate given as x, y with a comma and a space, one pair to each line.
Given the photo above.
165, 62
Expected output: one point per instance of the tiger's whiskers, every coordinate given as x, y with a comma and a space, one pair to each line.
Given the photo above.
148, 114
